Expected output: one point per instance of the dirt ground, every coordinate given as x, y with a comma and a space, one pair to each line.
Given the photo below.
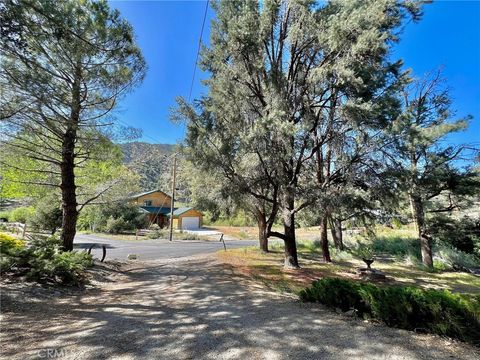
194, 308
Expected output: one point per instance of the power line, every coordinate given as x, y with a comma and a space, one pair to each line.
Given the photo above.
143, 135
198, 50
194, 70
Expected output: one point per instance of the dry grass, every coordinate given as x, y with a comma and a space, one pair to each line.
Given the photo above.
251, 232
237, 232
268, 269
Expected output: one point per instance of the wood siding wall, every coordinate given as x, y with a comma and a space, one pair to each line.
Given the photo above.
158, 199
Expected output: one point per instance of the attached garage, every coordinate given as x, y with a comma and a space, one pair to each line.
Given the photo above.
187, 219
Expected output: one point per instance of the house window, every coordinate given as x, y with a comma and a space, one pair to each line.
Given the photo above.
147, 203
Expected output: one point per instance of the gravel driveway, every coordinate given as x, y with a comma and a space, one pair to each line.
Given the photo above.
196, 309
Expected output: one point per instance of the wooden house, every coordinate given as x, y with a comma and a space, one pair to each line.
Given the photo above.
156, 204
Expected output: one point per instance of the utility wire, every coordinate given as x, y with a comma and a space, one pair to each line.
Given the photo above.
194, 69
198, 50
143, 135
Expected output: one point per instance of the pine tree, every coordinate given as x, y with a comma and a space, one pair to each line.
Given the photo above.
64, 66
427, 168
265, 118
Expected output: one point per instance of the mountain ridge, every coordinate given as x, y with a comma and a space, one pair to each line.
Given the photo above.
147, 160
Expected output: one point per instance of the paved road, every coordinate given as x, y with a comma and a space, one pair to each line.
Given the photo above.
154, 249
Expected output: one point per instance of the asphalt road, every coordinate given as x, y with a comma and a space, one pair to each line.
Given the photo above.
153, 249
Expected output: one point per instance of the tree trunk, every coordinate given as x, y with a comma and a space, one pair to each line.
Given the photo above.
291, 258
419, 220
69, 200
67, 167
262, 231
324, 239
336, 229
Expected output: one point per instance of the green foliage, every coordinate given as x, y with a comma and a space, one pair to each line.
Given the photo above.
67, 64
10, 244
48, 214
4, 216
113, 218
397, 223
235, 220
395, 242
186, 236
116, 226
462, 234
456, 259
266, 114
92, 219
364, 252
177, 235
22, 214
157, 234
396, 245
44, 261
406, 307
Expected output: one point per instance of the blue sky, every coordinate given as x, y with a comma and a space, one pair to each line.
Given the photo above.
168, 32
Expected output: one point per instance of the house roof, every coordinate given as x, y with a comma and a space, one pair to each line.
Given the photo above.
164, 210
180, 211
147, 193
155, 210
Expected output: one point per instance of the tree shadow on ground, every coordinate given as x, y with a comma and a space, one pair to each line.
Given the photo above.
196, 310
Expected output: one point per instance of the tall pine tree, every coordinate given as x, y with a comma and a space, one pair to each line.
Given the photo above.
427, 167
64, 66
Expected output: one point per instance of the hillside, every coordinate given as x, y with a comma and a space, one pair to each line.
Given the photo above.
147, 160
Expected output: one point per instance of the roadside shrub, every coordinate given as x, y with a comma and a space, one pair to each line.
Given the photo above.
157, 234
10, 244
186, 236
406, 307
154, 227
44, 261
22, 214
335, 293
116, 226
8, 247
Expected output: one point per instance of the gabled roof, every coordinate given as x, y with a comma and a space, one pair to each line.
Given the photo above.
147, 193
180, 211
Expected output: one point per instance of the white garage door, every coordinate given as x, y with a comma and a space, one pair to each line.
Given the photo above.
190, 223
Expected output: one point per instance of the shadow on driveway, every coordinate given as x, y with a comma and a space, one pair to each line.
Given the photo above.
199, 309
